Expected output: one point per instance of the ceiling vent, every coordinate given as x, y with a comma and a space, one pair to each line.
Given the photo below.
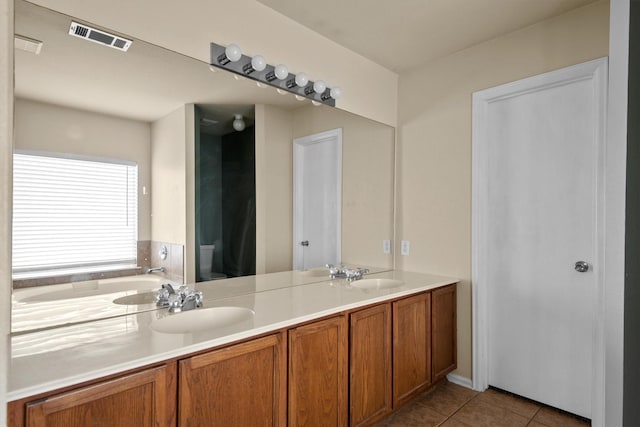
27, 44
98, 36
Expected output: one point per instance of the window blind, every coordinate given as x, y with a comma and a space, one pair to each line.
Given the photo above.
72, 214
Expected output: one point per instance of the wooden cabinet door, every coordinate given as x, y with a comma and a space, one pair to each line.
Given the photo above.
145, 398
443, 324
370, 364
318, 380
411, 347
240, 385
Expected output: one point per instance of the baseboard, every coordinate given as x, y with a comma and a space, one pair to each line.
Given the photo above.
459, 380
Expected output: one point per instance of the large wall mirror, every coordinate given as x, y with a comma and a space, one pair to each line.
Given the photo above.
156, 123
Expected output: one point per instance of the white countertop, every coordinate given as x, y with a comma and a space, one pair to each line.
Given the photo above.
46, 360
48, 306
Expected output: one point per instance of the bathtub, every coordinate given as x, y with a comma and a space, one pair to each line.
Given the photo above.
49, 306
88, 288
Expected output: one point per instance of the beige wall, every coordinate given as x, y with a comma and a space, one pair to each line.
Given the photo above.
188, 27
6, 151
55, 129
168, 178
173, 184
274, 189
434, 151
367, 180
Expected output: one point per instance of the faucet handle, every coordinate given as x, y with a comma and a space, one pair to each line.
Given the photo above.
333, 271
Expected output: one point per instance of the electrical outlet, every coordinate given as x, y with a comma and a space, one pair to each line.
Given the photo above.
386, 246
404, 247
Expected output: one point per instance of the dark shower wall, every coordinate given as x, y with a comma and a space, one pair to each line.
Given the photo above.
209, 198
239, 201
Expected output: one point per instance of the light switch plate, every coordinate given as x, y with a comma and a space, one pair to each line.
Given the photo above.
404, 247
386, 246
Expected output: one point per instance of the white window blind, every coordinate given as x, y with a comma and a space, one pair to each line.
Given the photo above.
72, 215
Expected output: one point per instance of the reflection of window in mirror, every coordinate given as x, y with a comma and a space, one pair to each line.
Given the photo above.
73, 215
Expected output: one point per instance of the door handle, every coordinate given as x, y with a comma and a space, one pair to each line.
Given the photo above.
304, 243
582, 267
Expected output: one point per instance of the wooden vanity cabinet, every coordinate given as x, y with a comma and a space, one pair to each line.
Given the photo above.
443, 331
350, 369
145, 398
411, 347
370, 364
239, 385
318, 389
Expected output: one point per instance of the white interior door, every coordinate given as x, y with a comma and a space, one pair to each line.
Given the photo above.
317, 199
536, 158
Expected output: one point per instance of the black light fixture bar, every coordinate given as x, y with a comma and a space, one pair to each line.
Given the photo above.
243, 68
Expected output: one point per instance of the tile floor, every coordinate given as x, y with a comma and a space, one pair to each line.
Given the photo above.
450, 405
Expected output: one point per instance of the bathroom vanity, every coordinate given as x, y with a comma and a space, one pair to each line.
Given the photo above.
344, 353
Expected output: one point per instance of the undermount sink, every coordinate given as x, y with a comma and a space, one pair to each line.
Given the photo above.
376, 283
142, 298
203, 319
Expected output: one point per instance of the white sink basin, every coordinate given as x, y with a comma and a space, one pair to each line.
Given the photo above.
202, 319
142, 298
376, 283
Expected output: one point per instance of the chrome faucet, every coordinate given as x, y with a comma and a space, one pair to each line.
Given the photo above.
346, 273
180, 299
335, 272
356, 274
154, 270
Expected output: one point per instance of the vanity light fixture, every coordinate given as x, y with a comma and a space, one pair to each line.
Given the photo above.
319, 87
300, 80
279, 72
238, 123
257, 63
232, 53
230, 58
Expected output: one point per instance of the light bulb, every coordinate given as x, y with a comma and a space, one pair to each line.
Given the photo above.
258, 63
336, 93
233, 52
281, 71
302, 79
319, 86
238, 123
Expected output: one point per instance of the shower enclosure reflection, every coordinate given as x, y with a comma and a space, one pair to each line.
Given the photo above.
225, 193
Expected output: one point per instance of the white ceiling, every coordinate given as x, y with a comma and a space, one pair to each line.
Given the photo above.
145, 83
402, 34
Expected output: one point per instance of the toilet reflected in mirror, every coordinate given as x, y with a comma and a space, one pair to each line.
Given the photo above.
207, 252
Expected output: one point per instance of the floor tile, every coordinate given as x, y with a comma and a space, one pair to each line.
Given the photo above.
413, 414
520, 406
453, 423
479, 414
553, 418
446, 398
535, 424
